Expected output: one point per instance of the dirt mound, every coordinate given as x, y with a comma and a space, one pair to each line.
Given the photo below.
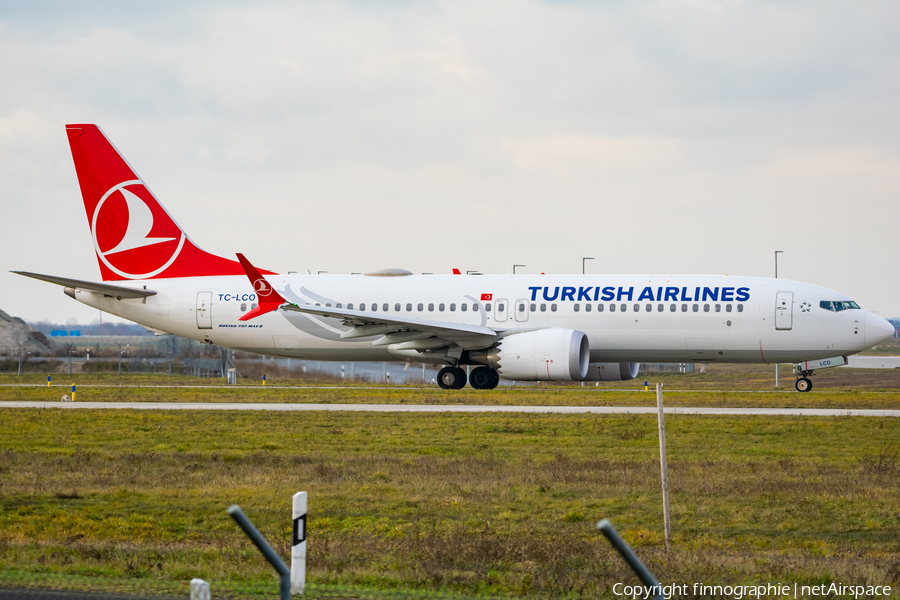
16, 333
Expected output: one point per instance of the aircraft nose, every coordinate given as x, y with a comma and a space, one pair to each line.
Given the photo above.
877, 330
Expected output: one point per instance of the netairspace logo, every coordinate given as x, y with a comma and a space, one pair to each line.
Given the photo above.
738, 592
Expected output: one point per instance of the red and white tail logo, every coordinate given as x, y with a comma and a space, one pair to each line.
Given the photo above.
134, 237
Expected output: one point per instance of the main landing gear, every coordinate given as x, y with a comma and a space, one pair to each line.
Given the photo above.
451, 378
454, 378
484, 378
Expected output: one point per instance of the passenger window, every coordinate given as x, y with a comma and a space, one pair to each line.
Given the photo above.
409, 307
487, 307
637, 308
464, 307
649, 308
420, 307
577, 308
543, 308
553, 307
661, 307
624, 307
501, 307
350, 306
612, 308
339, 305
684, 308
328, 305
475, 308
706, 308
452, 307
533, 307
441, 307
253, 306
740, 308
599, 308
727, 308
374, 307
397, 307
718, 308
362, 306
431, 307
696, 307
672, 308
522, 308
244, 307
384, 307
318, 304
587, 308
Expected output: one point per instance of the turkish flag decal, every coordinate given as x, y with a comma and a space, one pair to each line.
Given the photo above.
486, 297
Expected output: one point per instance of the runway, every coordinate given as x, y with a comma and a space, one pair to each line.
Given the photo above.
453, 408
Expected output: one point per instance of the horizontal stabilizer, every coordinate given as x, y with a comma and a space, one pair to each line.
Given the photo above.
117, 291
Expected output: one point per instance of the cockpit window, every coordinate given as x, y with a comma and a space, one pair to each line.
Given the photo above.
838, 305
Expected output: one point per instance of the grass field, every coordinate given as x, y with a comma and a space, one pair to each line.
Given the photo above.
458, 505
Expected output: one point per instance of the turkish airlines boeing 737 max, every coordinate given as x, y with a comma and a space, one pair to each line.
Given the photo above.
520, 327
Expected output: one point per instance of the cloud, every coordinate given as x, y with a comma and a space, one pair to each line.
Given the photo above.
663, 136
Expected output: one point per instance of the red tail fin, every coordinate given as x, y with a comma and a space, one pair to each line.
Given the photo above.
134, 237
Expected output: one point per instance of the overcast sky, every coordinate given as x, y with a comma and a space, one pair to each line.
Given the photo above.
658, 137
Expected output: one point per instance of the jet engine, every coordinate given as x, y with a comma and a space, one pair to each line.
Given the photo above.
612, 371
544, 355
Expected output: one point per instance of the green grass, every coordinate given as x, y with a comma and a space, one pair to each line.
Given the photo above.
458, 504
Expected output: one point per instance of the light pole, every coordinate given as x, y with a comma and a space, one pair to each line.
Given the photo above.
582, 262
777, 252
514, 268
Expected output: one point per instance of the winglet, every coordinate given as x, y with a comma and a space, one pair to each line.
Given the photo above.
269, 299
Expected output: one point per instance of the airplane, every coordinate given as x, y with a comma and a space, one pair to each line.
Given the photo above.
516, 327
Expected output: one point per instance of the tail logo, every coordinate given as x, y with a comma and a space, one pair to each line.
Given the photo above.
133, 234
261, 287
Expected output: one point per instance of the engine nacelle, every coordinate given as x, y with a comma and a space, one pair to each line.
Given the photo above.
612, 371
551, 354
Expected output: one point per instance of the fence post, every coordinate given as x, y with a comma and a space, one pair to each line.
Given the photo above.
663, 466
622, 547
298, 544
260, 542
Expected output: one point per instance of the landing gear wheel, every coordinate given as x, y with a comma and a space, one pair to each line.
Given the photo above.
451, 378
803, 384
484, 378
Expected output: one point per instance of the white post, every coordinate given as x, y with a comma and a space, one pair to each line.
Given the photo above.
199, 590
664, 469
298, 544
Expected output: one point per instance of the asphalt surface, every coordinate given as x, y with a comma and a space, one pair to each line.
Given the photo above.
454, 408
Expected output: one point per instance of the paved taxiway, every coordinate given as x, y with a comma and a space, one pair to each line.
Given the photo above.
454, 408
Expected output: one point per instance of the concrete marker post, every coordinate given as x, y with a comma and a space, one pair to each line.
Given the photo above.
298, 544
199, 590
663, 466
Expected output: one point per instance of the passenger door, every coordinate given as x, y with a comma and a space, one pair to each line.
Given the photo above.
204, 314
784, 307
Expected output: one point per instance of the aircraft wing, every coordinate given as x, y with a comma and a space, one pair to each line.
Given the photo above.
367, 324
117, 291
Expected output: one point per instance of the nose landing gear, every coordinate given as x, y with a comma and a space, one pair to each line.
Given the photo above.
803, 384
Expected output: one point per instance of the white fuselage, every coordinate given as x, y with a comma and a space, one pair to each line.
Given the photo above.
636, 318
